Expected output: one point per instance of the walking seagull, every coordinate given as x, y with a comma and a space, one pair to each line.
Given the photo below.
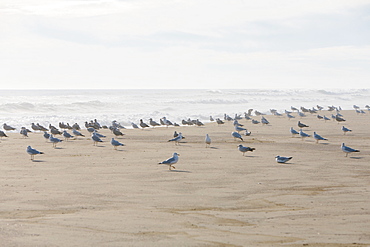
243, 149
32, 152
171, 161
177, 139
348, 150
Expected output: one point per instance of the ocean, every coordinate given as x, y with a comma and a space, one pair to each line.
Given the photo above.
22, 107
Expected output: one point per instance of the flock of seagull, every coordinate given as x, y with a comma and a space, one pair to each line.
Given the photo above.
93, 126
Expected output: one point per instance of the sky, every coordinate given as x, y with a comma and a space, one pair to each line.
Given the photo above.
176, 44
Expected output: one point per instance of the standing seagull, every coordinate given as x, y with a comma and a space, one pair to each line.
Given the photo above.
236, 135
95, 138
2, 134
116, 143
293, 132
303, 134
32, 152
348, 150
318, 137
66, 135
281, 159
345, 130
171, 161
54, 140
243, 149
77, 133
208, 140
143, 125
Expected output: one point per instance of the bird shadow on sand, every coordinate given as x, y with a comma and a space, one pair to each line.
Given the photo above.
179, 171
38, 161
356, 158
58, 148
213, 148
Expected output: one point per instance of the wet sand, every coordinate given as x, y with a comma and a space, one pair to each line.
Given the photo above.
83, 195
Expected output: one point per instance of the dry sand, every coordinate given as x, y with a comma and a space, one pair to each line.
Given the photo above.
84, 195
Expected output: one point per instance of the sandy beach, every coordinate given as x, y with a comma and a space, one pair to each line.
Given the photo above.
83, 195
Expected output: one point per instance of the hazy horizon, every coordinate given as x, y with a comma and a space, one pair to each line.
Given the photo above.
160, 44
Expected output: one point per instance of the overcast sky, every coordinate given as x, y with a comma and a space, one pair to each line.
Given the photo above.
210, 44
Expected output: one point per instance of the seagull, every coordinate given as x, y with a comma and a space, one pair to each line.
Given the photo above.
117, 132
211, 119
2, 134
95, 138
318, 137
303, 135
134, 125
255, 121
7, 127
153, 123
236, 135
177, 139
281, 159
66, 135
237, 123
54, 140
46, 135
293, 131
293, 108
99, 135
24, 132
289, 116
339, 119
326, 118
77, 133
143, 125
208, 140
55, 131
35, 127
116, 143
238, 128
219, 121
348, 150
345, 130
302, 125
264, 120
171, 161
32, 152
243, 149
247, 133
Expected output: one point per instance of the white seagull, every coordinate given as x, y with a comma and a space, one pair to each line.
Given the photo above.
32, 152
318, 137
348, 150
208, 140
95, 138
171, 161
54, 140
236, 135
293, 131
116, 143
